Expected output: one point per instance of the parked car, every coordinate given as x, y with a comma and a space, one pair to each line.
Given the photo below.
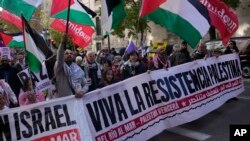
243, 44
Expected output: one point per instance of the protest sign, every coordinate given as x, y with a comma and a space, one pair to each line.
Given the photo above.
40, 79
5, 51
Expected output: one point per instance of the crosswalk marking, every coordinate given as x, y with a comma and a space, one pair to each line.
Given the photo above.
189, 133
244, 97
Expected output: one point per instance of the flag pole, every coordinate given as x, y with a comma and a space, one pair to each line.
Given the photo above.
68, 14
109, 44
130, 40
67, 23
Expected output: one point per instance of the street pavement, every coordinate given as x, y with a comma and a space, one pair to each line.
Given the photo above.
215, 125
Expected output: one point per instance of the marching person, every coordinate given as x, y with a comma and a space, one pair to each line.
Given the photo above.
231, 48
133, 66
9, 74
104, 54
108, 78
79, 62
3, 107
185, 52
160, 60
93, 71
69, 76
106, 65
20, 63
117, 68
30, 96
201, 52
177, 58
7, 93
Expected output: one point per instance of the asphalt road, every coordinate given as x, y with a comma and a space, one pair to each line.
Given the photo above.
215, 125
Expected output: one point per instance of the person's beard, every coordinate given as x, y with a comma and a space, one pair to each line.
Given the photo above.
69, 62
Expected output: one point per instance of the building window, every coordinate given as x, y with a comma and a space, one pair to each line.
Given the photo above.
98, 26
98, 46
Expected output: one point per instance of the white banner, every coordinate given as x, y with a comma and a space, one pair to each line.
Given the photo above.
135, 109
143, 106
55, 120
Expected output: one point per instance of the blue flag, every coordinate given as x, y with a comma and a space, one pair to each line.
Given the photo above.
131, 47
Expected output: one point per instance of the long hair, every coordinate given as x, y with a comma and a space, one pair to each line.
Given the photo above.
234, 45
105, 78
26, 84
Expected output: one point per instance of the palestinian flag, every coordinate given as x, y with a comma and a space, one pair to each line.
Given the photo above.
113, 13
18, 7
34, 54
11, 18
35, 57
79, 13
13, 40
189, 19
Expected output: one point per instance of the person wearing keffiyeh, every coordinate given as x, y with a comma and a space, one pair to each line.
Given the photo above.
160, 59
69, 76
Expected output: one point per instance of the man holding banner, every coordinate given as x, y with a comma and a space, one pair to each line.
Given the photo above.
69, 76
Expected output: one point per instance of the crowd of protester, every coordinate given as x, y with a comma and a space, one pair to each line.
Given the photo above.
77, 74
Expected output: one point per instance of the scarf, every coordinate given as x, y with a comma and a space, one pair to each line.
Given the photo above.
94, 66
157, 60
